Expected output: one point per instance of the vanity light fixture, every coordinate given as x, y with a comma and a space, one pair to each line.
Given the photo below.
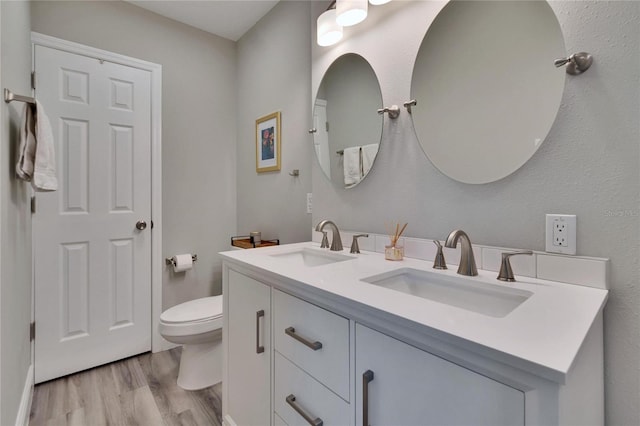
351, 12
341, 13
329, 32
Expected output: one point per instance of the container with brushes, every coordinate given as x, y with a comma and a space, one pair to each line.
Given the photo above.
395, 250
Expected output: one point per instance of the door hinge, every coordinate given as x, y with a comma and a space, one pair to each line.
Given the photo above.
32, 331
326, 123
33, 204
33, 80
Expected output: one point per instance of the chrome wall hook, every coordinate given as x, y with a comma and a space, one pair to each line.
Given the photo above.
393, 111
576, 63
409, 104
294, 173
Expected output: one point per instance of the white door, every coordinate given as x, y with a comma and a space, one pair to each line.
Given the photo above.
321, 136
92, 265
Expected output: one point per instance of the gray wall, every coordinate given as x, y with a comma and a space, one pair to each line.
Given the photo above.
15, 217
587, 166
274, 75
198, 127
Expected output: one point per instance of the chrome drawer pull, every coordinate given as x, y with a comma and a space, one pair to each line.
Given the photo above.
290, 331
291, 400
259, 349
367, 377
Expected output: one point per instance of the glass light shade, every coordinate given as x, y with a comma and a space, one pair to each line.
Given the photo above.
351, 12
377, 2
329, 32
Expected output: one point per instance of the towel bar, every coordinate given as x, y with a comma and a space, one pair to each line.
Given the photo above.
169, 261
9, 96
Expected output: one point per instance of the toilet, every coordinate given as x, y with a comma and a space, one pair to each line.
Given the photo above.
197, 326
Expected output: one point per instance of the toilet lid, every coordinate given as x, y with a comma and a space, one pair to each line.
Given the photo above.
196, 310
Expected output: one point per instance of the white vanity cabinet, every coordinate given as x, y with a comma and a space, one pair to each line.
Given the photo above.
247, 339
399, 384
335, 359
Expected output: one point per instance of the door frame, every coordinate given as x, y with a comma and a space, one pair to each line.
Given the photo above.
37, 39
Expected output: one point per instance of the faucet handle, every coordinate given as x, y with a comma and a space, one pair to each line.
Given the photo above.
439, 262
355, 248
325, 240
506, 273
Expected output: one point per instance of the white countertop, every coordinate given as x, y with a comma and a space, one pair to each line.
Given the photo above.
546, 331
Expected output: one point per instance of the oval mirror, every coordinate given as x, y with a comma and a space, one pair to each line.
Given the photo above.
346, 122
486, 86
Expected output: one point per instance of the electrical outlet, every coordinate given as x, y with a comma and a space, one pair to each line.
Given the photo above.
309, 202
561, 233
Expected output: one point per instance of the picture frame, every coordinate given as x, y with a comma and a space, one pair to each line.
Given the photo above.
268, 143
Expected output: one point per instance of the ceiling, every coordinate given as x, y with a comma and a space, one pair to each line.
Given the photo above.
227, 18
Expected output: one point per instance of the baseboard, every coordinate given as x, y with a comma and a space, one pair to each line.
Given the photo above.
22, 419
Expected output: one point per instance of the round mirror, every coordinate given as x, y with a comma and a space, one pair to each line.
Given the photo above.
346, 122
486, 86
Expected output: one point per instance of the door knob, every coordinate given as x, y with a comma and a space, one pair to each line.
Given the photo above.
141, 225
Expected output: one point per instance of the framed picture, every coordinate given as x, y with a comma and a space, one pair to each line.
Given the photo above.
268, 143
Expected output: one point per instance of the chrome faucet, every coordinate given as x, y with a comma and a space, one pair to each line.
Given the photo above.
506, 272
467, 262
336, 241
355, 248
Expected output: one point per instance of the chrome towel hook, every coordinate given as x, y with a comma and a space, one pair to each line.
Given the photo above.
393, 111
576, 63
409, 104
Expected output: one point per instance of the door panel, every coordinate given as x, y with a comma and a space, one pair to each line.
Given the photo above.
92, 266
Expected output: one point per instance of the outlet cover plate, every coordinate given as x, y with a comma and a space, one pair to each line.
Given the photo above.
561, 233
309, 202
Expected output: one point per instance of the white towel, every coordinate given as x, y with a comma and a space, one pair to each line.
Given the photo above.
351, 165
37, 157
27, 150
369, 153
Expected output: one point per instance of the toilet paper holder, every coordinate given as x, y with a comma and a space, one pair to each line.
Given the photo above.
170, 261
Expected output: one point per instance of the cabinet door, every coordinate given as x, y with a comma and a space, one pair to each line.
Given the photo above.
248, 356
412, 387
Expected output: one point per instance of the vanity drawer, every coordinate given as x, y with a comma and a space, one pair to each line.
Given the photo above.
296, 389
298, 326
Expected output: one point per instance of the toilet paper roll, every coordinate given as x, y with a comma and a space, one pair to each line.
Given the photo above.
182, 262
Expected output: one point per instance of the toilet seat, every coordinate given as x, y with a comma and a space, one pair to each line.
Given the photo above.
194, 317
203, 309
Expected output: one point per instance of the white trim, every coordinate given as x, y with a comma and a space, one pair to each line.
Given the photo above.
22, 418
3, 141
156, 160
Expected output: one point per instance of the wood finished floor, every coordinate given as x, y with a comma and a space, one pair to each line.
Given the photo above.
141, 390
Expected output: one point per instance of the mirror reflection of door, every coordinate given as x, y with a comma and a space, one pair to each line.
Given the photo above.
321, 136
346, 120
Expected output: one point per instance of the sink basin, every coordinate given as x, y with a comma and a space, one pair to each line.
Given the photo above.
492, 300
310, 257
